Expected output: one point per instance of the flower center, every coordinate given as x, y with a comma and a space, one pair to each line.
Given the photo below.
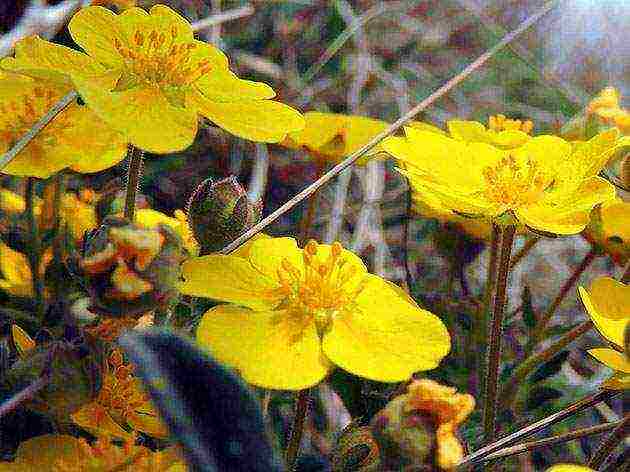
156, 59
499, 123
514, 182
323, 290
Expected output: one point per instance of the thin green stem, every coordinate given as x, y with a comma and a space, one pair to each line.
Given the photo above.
608, 446
496, 334
133, 181
299, 420
541, 325
535, 360
35, 249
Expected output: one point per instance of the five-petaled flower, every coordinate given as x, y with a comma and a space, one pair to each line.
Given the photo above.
148, 77
547, 184
297, 312
75, 139
607, 302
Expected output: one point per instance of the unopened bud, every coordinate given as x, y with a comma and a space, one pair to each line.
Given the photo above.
219, 212
131, 270
355, 450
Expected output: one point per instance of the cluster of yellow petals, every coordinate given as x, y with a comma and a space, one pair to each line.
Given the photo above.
569, 468
607, 302
498, 123
64, 453
120, 401
609, 230
606, 106
448, 409
15, 271
306, 310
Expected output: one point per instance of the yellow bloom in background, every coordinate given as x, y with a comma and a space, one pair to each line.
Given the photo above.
569, 468
606, 106
501, 132
75, 139
329, 137
546, 184
609, 229
607, 302
64, 453
149, 78
15, 271
448, 409
295, 313
179, 223
120, 402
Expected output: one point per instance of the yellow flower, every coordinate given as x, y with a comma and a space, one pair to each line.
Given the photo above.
120, 402
501, 132
609, 229
15, 271
608, 304
546, 184
179, 223
448, 409
75, 139
606, 106
332, 136
149, 78
304, 310
64, 453
569, 468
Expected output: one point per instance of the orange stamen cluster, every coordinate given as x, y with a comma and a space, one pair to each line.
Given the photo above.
158, 59
323, 289
514, 182
502, 123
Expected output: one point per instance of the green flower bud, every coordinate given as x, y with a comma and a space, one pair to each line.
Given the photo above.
130, 270
219, 212
355, 450
74, 376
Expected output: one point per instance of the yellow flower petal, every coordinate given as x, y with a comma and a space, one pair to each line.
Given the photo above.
11, 202
40, 452
269, 349
510, 139
609, 328
258, 120
22, 341
384, 337
267, 256
612, 298
619, 381
15, 271
611, 358
94, 29
95, 419
469, 131
319, 129
569, 468
147, 421
141, 113
227, 278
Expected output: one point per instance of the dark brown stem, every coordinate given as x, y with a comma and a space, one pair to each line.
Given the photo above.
541, 325
133, 180
405, 239
528, 246
293, 447
496, 334
608, 446
532, 362
35, 249
558, 439
533, 428
307, 219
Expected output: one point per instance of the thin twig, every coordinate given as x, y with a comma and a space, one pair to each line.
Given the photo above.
608, 445
405, 237
558, 439
496, 334
35, 249
223, 17
133, 180
533, 428
353, 157
301, 410
24, 395
528, 246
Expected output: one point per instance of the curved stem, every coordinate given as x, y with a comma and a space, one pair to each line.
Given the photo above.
496, 333
608, 446
133, 180
293, 448
532, 362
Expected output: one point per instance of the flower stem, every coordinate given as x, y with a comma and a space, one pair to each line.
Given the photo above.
496, 333
533, 361
59, 187
608, 446
301, 409
528, 246
541, 325
35, 249
307, 219
405, 239
133, 180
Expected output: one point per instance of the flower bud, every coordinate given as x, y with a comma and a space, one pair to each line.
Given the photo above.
74, 376
131, 270
355, 450
219, 212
